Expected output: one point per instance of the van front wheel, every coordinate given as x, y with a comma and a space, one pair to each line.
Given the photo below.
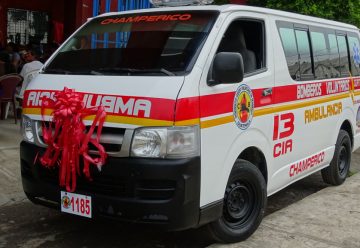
244, 204
338, 170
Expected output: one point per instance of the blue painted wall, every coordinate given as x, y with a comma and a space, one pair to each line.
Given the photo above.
121, 5
103, 6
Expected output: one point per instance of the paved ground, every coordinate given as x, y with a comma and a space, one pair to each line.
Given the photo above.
329, 218
320, 220
10, 186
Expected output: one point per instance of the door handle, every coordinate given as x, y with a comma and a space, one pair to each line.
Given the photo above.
267, 92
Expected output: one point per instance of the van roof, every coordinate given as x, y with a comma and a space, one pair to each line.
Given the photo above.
236, 7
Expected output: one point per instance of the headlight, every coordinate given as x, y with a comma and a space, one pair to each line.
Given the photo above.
28, 129
168, 142
149, 143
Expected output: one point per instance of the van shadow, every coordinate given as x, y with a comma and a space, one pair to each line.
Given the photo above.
28, 225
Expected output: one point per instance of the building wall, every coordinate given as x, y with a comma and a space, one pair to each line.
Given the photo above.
55, 12
77, 12
84, 10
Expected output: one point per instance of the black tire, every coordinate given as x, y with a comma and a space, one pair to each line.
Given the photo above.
338, 170
244, 204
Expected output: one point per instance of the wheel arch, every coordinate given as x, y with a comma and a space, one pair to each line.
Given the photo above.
346, 126
346, 122
255, 156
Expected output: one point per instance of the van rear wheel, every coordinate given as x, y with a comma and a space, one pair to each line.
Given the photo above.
338, 170
244, 204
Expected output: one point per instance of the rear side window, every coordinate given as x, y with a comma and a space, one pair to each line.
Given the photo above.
297, 50
321, 55
354, 48
302, 40
334, 58
344, 57
290, 48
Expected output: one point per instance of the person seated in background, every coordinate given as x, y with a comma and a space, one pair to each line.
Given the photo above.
12, 49
32, 62
22, 52
30, 69
5, 62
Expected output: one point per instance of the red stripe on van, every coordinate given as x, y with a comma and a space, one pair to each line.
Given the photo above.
220, 103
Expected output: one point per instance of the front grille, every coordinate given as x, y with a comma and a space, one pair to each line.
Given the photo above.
112, 139
107, 147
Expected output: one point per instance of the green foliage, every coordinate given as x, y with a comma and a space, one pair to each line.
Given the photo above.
338, 10
219, 2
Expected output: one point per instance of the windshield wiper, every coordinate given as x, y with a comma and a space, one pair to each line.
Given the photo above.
112, 70
130, 71
57, 71
162, 70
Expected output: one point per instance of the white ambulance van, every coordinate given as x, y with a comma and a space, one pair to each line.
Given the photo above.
210, 109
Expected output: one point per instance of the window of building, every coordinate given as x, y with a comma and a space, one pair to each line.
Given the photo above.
247, 38
354, 48
321, 55
25, 26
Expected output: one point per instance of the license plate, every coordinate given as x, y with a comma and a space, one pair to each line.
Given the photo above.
76, 204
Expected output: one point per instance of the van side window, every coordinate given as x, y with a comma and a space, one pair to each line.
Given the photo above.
344, 56
297, 50
290, 48
321, 55
334, 58
354, 48
302, 40
247, 38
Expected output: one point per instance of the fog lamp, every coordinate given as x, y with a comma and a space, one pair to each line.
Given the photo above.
27, 129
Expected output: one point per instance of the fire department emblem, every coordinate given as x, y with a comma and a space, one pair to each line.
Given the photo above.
65, 201
243, 108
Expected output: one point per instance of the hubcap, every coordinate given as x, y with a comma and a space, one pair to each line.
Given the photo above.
239, 203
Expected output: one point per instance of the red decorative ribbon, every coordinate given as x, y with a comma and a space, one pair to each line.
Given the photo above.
67, 138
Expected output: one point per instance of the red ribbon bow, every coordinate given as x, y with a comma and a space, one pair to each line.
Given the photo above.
68, 140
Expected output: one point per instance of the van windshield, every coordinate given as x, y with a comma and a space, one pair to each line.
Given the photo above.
156, 43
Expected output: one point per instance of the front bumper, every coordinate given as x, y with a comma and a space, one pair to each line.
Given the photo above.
157, 191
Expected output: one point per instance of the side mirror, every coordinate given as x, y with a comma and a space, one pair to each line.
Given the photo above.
227, 68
